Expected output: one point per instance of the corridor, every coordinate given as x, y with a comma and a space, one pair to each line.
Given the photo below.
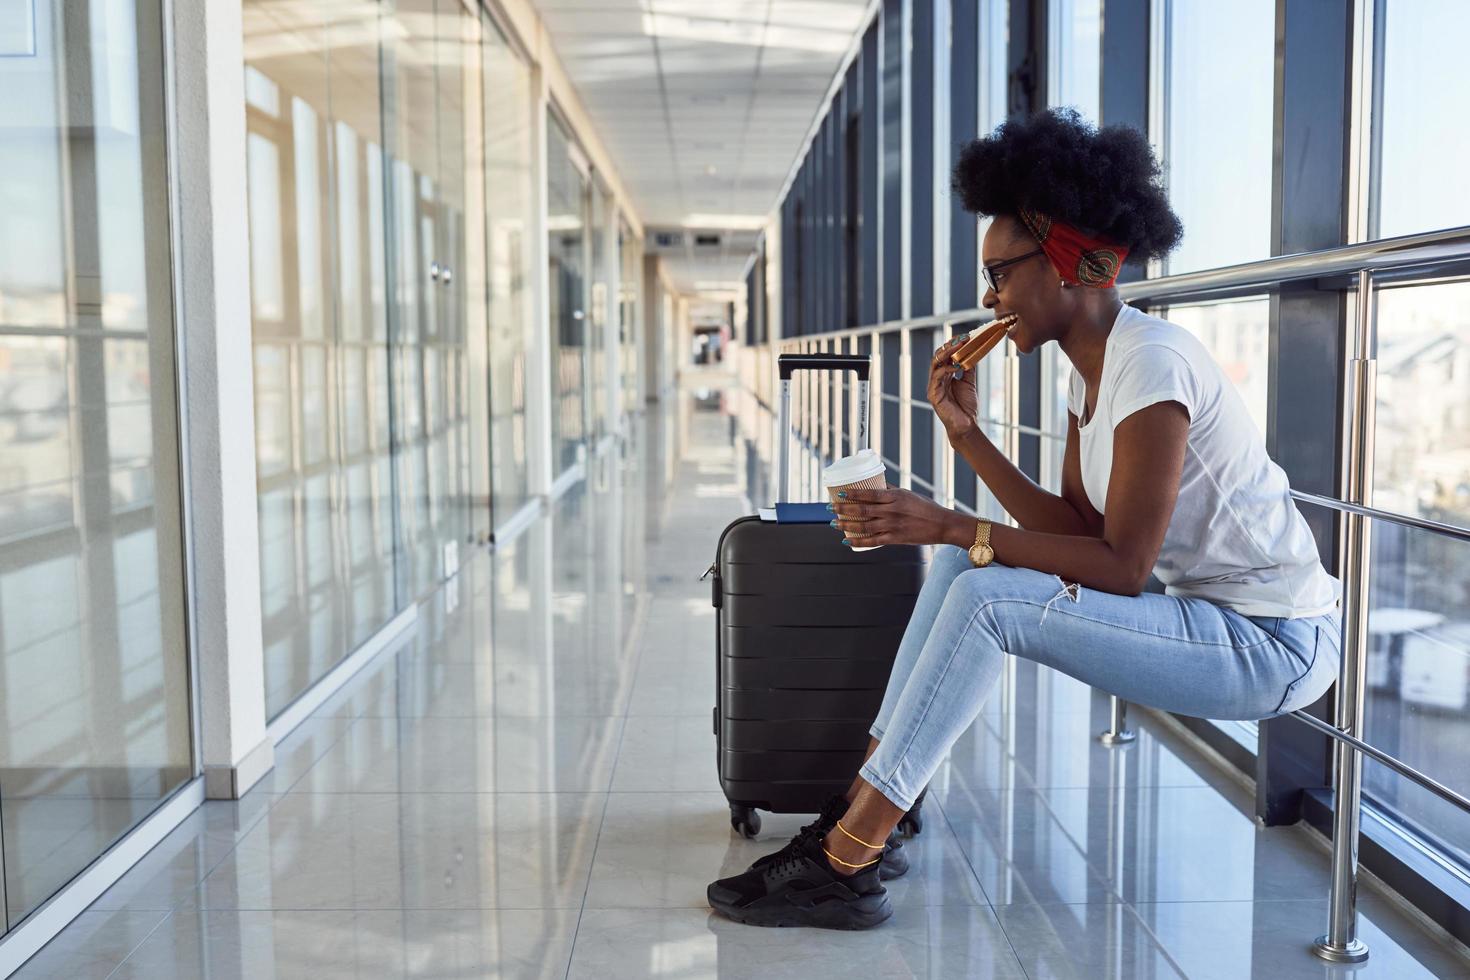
525, 787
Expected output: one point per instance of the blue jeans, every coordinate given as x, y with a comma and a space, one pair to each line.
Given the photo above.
1184, 655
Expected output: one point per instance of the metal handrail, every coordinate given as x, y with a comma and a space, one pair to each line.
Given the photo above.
1387, 516
1381, 255
1378, 755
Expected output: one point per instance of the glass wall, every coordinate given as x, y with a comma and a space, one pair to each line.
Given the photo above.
566, 227
1218, 128
319, 305
1418, 679
1418, 670
94, 676
510, 204
630, 325
435, 93
1238, 335
1421, 161
1419, 653
1422, 447
1075, 80
601, 298
358, 266
1075, 65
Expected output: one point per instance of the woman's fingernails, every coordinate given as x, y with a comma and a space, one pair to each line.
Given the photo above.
847, 542
830, 510
842, 494
831, 523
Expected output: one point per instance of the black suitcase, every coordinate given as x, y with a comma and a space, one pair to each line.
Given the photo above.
806, 633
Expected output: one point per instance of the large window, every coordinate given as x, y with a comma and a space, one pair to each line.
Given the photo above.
1418, 678
1420, 183
1238, 336
1217, 129
1422, 447
1075, 65
1419, 631
1074, 80
94, 680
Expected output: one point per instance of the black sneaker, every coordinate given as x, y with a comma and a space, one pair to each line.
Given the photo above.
801, 889
895, 863
831, 812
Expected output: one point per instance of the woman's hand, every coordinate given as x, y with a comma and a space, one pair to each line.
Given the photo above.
893, 516
954, 399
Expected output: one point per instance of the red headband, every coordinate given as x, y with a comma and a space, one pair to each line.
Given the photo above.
1078, 258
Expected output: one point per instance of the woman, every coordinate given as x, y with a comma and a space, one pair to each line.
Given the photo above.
1164, 473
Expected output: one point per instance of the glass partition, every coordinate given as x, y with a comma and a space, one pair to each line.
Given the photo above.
566, 226
599, 310
360, 256
426, 65
319, 309
630, 324
510, 205
94, 673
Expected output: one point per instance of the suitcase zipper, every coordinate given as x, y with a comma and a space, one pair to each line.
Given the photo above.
716, 594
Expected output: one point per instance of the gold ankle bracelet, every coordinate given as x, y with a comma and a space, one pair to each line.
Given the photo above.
871, 847
834, 857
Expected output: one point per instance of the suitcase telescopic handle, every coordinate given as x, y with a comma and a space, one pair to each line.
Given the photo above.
789, 364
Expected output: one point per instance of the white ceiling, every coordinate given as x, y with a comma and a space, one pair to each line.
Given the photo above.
703, 105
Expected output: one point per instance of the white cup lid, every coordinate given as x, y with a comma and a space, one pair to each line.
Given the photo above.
860, 465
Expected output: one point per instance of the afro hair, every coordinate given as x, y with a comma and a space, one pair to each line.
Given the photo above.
1104, 181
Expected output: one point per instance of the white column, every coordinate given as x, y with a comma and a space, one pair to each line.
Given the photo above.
213, 263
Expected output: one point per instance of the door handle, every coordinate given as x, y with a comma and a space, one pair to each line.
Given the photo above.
434, 271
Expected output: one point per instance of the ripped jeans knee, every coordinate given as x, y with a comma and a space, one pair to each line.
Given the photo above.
1070, 590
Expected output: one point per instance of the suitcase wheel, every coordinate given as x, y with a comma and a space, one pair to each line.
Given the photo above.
745, 821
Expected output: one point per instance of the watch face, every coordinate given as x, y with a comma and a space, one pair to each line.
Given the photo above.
981, 554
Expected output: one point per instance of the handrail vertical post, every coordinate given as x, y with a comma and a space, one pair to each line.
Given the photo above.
1341, 943
1118, 732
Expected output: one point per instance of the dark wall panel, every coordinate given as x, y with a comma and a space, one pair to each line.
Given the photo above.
868, 287
964, 105
892, 95
1125, 53
1306, 339
921, 159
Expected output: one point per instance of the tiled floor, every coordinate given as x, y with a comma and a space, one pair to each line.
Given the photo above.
526, 788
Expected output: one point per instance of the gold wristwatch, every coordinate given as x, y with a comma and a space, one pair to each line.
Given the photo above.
981, 554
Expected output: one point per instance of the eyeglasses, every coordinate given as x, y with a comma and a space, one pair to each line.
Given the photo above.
988, 272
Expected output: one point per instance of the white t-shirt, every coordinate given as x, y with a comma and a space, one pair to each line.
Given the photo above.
1235, 538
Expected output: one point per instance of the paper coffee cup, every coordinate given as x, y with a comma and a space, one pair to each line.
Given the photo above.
863, 470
